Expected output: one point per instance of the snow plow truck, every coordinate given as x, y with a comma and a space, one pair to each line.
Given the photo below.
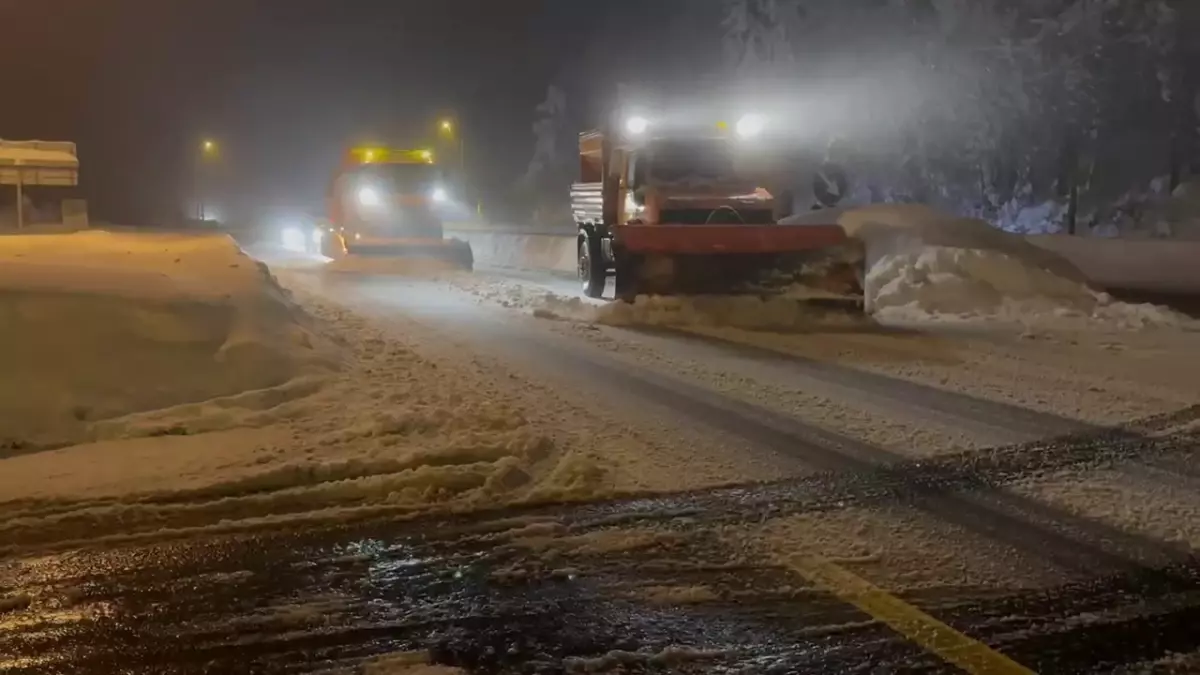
386, 202
681, 208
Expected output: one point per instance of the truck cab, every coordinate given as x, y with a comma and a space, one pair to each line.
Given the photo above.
381, 194
681, 209
389, 202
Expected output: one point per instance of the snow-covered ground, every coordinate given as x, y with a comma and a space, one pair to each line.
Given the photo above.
418, 389
99, 325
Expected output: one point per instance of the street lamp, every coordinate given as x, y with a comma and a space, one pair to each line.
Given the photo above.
448, 129
208, 155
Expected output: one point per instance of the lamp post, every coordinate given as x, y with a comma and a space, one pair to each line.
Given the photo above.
209, 153
449, 130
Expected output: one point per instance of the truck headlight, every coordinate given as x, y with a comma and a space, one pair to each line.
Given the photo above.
369, 197
438, 194
637, 125
293, 239
751, 125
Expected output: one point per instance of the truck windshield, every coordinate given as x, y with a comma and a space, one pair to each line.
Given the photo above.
401, 177
674, 161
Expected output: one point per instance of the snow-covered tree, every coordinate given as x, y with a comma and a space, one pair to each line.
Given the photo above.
756, 34
548, 129
545, 185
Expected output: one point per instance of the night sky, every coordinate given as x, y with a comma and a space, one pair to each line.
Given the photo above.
286, 85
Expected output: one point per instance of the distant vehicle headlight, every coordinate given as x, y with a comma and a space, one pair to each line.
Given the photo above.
294, 239
369, 197
439, 194
751, 125
637, 125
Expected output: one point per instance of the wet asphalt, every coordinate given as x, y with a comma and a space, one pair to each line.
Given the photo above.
493, 593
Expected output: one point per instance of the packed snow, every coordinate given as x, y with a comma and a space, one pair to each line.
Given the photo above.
924, 265
105, 324
937, 283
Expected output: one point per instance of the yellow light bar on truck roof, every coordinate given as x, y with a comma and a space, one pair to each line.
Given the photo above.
377, 155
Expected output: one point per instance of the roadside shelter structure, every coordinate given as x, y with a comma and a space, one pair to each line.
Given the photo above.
42, 163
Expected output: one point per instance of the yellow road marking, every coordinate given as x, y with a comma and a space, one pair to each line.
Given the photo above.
936, 637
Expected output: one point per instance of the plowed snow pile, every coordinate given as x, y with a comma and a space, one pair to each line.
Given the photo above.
390, 432
775, 313
96, 325
929, 266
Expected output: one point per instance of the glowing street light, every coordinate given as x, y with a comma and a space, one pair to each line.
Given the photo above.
208, 155
447, 128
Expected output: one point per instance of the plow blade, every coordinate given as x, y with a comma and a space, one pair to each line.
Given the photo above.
736, 259
454, 251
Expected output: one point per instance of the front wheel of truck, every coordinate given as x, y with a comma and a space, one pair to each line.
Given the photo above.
593, 272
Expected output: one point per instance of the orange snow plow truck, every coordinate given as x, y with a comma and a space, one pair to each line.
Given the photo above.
386, 202
681, 209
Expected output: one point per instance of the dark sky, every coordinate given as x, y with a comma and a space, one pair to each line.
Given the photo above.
286, 85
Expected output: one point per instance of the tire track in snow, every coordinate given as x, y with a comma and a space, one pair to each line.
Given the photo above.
1041, 531
1002, 422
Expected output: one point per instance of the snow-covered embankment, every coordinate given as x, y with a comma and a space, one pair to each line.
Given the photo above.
99, 325
924, 266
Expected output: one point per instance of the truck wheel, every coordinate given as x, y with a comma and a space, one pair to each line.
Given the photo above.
593, 273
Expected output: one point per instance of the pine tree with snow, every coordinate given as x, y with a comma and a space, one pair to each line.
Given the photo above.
756, 35
548, 126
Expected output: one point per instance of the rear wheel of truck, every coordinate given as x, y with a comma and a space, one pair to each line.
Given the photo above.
593, 272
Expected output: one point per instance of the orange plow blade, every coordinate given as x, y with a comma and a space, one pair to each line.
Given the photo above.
726, 259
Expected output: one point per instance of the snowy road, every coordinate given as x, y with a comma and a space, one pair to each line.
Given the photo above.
845, 498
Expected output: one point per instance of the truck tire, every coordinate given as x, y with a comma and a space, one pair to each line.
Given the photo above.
593, 272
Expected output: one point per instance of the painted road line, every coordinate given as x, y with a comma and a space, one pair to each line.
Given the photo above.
936, 637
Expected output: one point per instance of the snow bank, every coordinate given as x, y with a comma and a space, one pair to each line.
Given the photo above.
939, 283
924, 265
391, 432
99, 325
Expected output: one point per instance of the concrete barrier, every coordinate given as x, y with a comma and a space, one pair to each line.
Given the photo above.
1154, 266
552, 252
1149, 265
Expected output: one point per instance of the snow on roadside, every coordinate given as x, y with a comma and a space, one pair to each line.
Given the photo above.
392, 432
937, 283
928, 266
104, 324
